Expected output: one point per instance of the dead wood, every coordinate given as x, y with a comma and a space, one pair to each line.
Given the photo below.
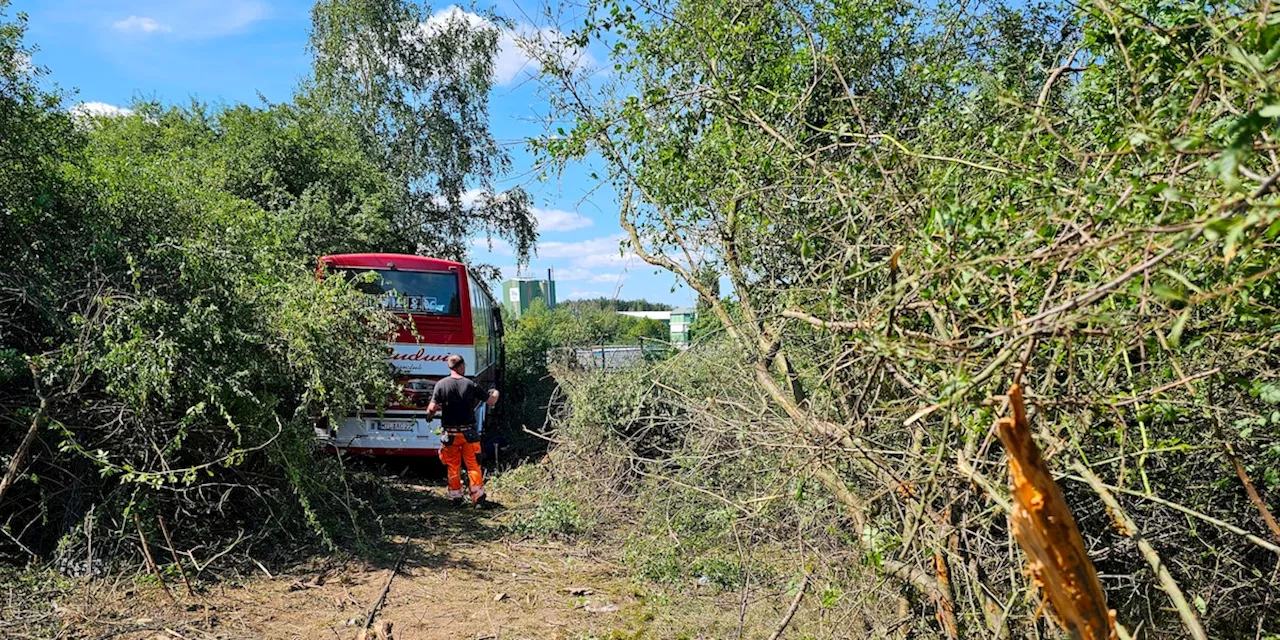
1125, 524
19, 457
169, 541
146, 553
791, 611
386, 587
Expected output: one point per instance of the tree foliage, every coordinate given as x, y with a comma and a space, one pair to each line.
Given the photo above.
576, 323
917, 205
163, 335
611, 304
415, 87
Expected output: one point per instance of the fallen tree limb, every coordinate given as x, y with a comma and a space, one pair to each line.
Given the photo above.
835, 325
386, 588
1125, 524
37, 422
1189, 511
1256, 499
791, 611
535, 434
855, 507
20, 456
922, 580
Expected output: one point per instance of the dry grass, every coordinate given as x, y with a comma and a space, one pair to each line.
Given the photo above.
466, 575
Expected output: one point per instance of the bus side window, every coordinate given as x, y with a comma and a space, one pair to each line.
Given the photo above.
479, 324
484, 321
494, 331
488, 327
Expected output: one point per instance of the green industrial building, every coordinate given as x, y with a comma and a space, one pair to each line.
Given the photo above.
519, 293
681, 321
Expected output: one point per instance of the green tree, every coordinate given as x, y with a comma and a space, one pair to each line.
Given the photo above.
648, 328
165, 345
415, 87
919, 204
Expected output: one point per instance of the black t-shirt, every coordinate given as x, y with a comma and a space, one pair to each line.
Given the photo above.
458, 399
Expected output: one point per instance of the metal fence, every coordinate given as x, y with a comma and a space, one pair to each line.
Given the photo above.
608, 357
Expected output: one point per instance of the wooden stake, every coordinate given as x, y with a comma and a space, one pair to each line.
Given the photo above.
174, 552
146, 552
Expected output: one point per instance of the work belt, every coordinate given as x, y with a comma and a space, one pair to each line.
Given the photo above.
468, 432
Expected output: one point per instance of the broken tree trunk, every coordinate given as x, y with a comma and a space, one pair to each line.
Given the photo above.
20, 456
1047, 533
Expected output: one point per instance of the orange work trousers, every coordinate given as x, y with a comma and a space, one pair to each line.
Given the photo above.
453, 455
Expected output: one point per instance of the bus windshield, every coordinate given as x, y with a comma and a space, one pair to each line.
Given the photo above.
417, 292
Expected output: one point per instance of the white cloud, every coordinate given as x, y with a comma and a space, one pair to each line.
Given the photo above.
494, 246
139, 24
240, 15
548, 219
583, 295
191, 18
569, 274
99, 110
596, 260
595, 250
469, 197
605, 260
22, 62
560, 220
594, 276
520, 49
590, 262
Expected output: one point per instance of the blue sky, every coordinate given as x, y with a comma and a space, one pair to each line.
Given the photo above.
231, 51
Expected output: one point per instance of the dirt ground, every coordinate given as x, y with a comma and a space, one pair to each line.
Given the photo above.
460, 578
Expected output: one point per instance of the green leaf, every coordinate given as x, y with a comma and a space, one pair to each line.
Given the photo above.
1138, 138
1167, 293
1175, 332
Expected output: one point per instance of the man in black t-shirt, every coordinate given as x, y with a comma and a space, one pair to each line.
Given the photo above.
456, 398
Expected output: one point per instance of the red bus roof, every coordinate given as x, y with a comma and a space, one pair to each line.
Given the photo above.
394, 260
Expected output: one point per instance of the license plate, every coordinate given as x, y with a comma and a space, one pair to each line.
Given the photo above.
393, 425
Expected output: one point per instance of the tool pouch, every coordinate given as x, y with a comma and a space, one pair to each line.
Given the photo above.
470, 436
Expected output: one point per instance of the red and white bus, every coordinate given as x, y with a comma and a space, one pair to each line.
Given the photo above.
448, 311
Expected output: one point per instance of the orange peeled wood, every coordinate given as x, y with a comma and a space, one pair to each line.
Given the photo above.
1047, 532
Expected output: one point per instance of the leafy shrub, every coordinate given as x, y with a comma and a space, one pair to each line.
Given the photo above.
552, 517
917, 205
164, 338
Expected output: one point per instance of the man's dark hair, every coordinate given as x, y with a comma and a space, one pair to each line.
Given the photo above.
454, 361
